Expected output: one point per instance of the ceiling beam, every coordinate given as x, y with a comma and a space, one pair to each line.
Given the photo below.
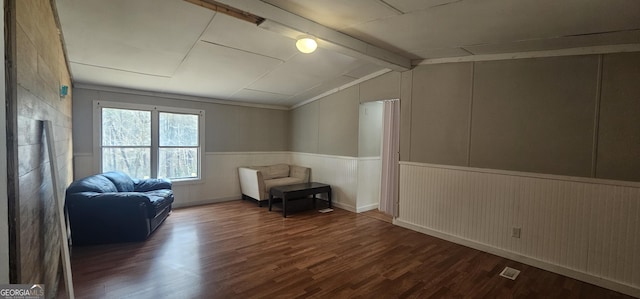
293, 26
592, 50
228, 10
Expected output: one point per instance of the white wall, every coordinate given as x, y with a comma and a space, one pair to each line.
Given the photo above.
340, 172
584, 228
369, 162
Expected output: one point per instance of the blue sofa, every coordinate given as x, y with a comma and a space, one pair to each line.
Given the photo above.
112, 207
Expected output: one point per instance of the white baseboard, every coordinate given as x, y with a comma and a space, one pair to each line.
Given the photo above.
367, 208
204, 202
349, 208
612, 285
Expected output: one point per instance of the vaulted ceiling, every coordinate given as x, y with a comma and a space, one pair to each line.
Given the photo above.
179, 47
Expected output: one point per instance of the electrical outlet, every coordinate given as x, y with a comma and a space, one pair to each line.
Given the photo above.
515, 232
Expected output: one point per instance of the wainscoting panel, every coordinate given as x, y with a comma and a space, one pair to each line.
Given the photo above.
220, 180
369, 170
585, 228
338, 171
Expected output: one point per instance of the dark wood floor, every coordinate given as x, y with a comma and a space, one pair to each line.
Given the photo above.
378, 215
238, 250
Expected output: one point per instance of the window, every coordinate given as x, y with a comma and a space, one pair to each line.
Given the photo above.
178, 150
126, 141
150, 141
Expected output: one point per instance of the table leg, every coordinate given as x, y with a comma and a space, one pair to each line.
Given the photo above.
270, 201
329, 197
284, 206
314, 201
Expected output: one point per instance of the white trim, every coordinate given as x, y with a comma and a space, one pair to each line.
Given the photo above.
326, 156
367, 208
4, 198
154, 146
343, 206
369, 158
529, 174
293, 153
265, 153
622, 288
247, 153
172, 96
146, 107
343, 87
205, 202
97, 133
535, 54
464, 168
183, 182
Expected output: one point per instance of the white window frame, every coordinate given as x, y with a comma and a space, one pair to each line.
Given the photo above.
155, 146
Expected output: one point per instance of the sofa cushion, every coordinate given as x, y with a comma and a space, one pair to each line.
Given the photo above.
145, 185
264, 170
273, 171
94, 183
122, 181
159, 200
279, 171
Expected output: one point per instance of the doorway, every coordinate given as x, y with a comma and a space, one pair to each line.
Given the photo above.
369, 158
378, 153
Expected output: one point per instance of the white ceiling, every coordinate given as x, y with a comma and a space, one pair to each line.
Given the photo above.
177, 47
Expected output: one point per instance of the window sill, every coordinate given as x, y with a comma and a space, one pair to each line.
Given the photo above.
182, 182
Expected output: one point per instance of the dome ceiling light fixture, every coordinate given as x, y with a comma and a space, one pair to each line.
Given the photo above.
306, 44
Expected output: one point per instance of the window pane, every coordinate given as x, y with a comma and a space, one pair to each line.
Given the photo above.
178, 129
121, 127
132, 161
178, 163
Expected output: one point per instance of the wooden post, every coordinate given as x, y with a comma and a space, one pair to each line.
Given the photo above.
53, 164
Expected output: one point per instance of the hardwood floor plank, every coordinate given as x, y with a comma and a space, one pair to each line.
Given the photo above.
238, 250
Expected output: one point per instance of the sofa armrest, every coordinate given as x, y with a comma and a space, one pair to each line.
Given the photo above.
303, 173
144, 185
97, 218
251, 182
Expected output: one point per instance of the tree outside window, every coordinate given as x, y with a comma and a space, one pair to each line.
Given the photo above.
126, 141
178, 151
151, 143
